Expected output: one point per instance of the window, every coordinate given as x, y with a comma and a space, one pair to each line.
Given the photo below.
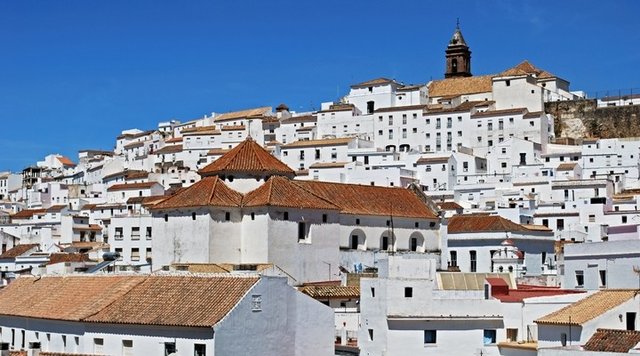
193, 216
302, 231
135, 233
357, 221
430, 336
507, 82
579, 279
408, 292
503, 164
631, 321
545, 222
453, 259
256, 302
98, 346
373, 292
199, 350
169, 348
512, 335
127, 347
370, 107
390, 120
227, 215
603, 278
473, 259
148, 233
560, 224
489, 337
324, 218
370, 334
624, 219
286, 216
119, 233
135, 254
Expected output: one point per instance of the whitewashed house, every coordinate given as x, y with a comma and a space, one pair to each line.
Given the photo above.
182, 314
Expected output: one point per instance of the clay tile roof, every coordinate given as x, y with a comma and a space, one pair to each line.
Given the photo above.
67, 257
233, 127
174, 140
298, 119
331, 292
372, 82
249, 158
200, 130
127, 186
432, 160
283, 192
168, 150
150, 300
460, 86
134, 145
65, 161
515, 111
328, 165
482, 223
370, 200
534, 227
27, 213
18, 250
449, 205
320, 142
566, 166
217, 151
56, 208
209, 191
610, 340
177, 301
588, 308
243, 114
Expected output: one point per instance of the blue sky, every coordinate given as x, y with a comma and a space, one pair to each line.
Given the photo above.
73, 74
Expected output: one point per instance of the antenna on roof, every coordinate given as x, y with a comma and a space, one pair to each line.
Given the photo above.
458, 23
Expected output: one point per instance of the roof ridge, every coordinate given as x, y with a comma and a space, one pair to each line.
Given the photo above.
213, 189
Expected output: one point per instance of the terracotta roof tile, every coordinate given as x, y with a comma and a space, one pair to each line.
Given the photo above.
433, 160
233, 128
217, 151
320, 142
328, 165
150, 300
490, 113
372, 82
28, 213
209, 191
243, 114
449, 205
127, 186
134, 145
174, 140
247, 158
176, 301
401, 108
67, 257
200, 130
19, 250
566, 166
298, 119
588, 308
482, 223
283, 192
370, 200
331, 292
65, 161
169, 149
460, 86
610, 340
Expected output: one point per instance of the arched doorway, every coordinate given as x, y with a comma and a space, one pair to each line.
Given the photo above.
358, 240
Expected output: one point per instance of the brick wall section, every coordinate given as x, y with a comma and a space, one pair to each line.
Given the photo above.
605, 122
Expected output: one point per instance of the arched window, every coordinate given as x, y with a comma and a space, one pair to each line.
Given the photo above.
357, 240
454, 65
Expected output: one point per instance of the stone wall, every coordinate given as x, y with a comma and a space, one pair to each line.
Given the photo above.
582, 118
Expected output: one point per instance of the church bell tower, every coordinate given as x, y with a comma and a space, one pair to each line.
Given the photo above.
458, 56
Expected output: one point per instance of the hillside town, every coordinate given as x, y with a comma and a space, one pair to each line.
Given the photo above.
401, 219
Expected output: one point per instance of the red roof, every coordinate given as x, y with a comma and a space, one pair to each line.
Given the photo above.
247, 158
209, 191
19, 250
523, 292
371, 200
28, 213
283, 192
127, 186
482, 223
65, 161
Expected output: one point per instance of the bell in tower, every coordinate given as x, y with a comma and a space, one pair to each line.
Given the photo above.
458, 56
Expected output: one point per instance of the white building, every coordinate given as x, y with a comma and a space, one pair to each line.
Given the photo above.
182, 314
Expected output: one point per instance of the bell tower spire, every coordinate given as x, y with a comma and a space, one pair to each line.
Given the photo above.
458, 55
